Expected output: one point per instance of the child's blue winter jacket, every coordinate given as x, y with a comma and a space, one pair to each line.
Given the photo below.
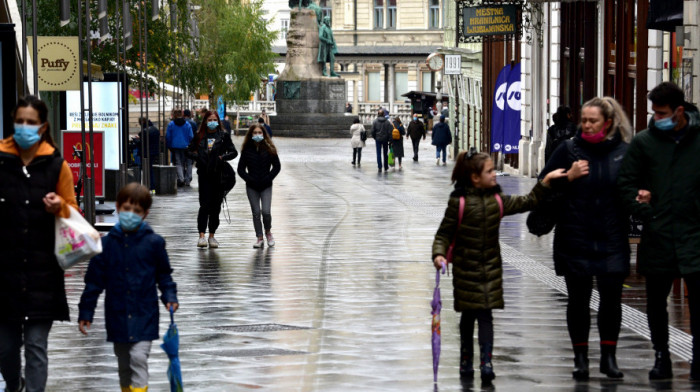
130, 266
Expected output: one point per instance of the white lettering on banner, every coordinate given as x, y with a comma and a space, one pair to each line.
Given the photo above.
501, 95
514, 96
507, 147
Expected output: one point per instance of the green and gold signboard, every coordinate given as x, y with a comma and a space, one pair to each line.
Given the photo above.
490, 20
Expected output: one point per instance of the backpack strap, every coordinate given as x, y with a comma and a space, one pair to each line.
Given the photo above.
462, 202
500, 204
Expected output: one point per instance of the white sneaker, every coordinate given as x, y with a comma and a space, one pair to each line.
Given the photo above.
437, 162
259, 243
202, 243
213, 243
270, 240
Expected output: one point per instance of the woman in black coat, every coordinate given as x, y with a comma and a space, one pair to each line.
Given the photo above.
210, 149
397, 144
258, 167
590, 238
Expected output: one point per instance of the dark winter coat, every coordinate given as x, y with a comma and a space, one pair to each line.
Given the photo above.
670, 170
381, 130
556, 134
442, 135
179, 134
257, 167
128, 269
210, 163
591, 235
31, 281
477, 273
416, 129
397, 145
153, 135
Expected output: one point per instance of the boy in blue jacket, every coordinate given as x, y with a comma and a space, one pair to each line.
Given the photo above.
132, 262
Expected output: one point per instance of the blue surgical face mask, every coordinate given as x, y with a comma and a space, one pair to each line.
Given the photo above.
26, 135
129, 221
415, 118
257, 138
665, 124
212, 124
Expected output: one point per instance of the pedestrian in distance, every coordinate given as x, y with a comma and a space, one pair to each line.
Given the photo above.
187, 114
662, 167
36, 186
476, 248
152, 134
258, 167
265, 126
348, 107
210, 149
178, 136
592, 242
226, 124
562, 129
381, 133
397, 134
441, 138
416, 131
265, 116
357, 130
133, 262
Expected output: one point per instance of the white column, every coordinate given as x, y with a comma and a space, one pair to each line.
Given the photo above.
392, 88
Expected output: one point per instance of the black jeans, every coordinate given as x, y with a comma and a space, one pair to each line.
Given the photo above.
210, 199
578, 313
466, 330
415, 147
658, 288
356, 154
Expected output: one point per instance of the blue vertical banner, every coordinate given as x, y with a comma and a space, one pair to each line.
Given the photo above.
511, 123
499, 110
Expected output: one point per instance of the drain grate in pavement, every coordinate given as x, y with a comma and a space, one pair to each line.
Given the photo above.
255, 352
258, 328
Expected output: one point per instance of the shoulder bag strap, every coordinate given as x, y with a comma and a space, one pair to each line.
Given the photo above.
500, 204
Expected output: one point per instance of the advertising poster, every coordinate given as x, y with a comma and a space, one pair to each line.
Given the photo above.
105, 112
505, 115
70, 139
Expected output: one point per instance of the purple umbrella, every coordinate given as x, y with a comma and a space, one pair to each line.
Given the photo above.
437, 306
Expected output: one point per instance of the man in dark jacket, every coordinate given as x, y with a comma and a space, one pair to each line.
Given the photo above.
562, 129
150, 145
178, 138
381, 132
264, 125
442, 137
188, 117
416, 130
658, 182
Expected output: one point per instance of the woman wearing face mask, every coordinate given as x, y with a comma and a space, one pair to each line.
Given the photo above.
590, 238
258, 167
210, 148
36, 186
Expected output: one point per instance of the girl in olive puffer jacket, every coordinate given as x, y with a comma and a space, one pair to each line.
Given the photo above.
477, 271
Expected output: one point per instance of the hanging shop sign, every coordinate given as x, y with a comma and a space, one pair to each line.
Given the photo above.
490, 20
57, 63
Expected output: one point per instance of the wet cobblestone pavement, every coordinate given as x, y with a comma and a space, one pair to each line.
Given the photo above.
342, 302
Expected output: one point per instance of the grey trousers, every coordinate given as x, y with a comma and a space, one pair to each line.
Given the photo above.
35, 337
183, 165
260, 201
133, 363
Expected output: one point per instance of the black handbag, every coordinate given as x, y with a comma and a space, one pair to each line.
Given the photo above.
228, 178
542, 219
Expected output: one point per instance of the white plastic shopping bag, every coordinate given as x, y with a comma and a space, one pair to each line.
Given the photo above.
76, 240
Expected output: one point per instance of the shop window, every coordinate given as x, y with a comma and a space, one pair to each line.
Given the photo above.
400, 85
374, 86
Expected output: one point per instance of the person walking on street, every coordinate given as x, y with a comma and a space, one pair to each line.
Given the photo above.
133, 259
267, 127
593, 242
397, 140
177, 138
150, 132
187, 114
562, 129
211, 148
36, 186
662, 167
442, 137
477, 294
356, 141
416, 131
381, 132
265, 117
258, 167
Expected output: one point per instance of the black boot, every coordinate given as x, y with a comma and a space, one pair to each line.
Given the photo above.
487, 374
608, 364
662, 366
466, 368
580, 363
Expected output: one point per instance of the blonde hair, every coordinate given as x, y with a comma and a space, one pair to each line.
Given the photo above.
611, 110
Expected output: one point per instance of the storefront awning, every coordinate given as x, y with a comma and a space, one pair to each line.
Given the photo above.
665, 15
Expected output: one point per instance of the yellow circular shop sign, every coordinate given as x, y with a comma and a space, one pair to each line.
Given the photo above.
58, 63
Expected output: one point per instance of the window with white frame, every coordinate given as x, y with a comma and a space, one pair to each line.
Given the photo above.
378, 14
391, 14
284, 28
326, 8
374, 87
400, 85
434, 14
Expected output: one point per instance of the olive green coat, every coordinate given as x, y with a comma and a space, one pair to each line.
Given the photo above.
670, 170
477, 273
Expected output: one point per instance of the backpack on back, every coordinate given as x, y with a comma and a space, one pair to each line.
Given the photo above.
395, 134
